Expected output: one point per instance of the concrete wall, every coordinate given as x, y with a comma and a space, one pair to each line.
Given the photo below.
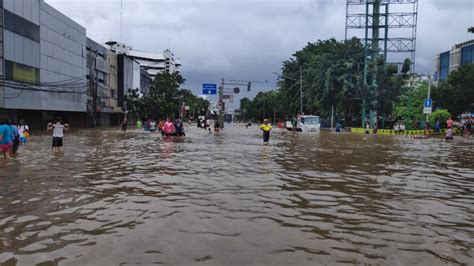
63, 58
20, 49
112, 79
23, 50
58, 52
124, 77
27, 9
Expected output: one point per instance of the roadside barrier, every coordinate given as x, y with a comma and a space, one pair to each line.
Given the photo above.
408, 133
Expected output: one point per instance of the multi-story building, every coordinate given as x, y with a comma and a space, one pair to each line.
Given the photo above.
44, 64
172, 63
153, 63
135, 70
446, 62
49, 68
156, 63
101, 97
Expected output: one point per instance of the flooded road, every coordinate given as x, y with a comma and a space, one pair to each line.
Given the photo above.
134, 198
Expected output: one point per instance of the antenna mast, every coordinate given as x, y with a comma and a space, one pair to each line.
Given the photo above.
121, 21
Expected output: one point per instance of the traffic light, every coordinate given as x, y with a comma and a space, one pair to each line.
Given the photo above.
249, 85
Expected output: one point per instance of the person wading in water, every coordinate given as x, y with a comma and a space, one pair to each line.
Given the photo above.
266, 128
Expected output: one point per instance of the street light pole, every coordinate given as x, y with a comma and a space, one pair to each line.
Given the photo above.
301, 90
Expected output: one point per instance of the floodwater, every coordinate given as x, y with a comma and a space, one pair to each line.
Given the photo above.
306, 199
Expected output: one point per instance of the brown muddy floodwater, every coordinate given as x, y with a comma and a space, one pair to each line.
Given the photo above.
134, 198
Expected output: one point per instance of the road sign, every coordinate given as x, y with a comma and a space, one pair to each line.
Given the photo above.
427, 107
428, 103
209, 89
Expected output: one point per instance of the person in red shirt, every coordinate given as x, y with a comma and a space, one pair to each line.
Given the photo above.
449, 123
168, 128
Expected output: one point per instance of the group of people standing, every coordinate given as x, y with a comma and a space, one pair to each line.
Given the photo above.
12, 136
465, 125
399, 127
206, 124
166, 128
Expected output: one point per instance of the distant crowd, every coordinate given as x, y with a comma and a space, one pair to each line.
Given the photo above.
166, 127
464, 125
12, 135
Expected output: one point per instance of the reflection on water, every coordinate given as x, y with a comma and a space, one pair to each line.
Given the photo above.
226, 199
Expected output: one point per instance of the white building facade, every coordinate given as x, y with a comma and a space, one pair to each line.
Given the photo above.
153, 63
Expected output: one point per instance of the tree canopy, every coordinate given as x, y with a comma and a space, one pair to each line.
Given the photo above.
165, 98
456, 93
332, 76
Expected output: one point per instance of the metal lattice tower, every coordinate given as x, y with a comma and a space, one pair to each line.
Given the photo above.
388, 28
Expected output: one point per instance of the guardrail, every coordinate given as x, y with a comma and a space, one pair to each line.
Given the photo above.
456, 131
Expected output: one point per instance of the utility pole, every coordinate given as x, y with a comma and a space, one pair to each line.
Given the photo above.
274, 115
301, 90
366, 63
121, 21
220, 105
221, 94
93, 87
332, 116
429, 94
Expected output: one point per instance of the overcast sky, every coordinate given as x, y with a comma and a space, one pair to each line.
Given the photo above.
249, 39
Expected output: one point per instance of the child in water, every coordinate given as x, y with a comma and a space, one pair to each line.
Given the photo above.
449, 134
266, 128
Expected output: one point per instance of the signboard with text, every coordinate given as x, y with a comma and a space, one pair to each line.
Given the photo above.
209, 89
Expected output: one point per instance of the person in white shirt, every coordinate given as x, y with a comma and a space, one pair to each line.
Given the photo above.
24, 130
58, 133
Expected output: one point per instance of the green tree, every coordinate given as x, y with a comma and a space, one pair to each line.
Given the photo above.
246, 109
457, 93
406, 67
265, 104
332, 76
409, 105
165, 98
440, 115
470, 29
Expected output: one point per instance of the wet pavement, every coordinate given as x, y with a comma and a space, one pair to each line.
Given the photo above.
306, 199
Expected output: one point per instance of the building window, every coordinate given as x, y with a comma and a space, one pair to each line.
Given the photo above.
467, 55
23, 73
21, 26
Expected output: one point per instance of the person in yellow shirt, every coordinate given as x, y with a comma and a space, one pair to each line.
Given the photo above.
266, 128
